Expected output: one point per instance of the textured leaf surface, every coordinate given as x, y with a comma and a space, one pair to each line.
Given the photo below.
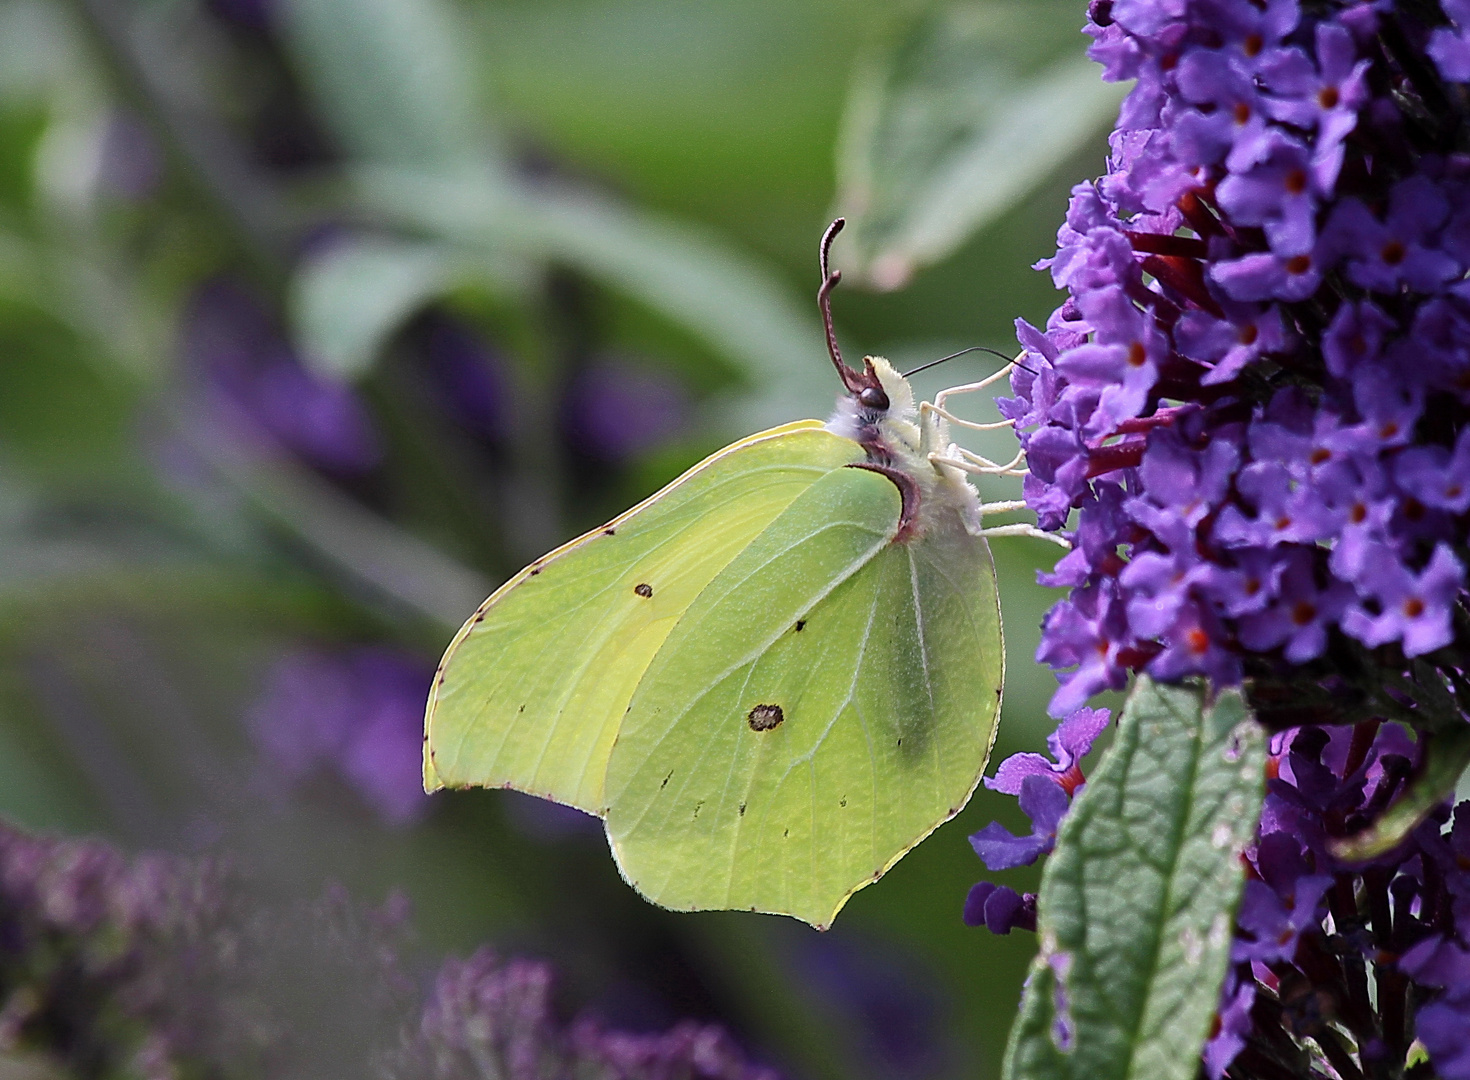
885, 661
968, 111
533, 688
1137, 901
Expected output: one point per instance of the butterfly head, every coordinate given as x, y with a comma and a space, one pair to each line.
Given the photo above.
877, 410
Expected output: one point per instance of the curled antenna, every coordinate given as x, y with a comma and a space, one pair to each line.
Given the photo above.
972, 348
850, 379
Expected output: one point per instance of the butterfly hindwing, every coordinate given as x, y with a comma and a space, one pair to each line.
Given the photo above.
814, 715
532, 690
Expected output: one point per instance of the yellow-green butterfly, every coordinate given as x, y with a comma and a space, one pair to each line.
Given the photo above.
772, 678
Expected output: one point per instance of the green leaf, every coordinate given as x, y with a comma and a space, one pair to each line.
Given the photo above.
347, 300
1446, 754
391, 78
1137, 901
686, 274
955, 126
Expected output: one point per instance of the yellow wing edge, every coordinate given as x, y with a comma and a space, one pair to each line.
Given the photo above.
432, 781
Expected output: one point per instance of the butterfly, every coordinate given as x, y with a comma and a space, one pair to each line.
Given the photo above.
772, 678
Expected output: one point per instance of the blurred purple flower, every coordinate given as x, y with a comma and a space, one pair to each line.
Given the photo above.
1449, 46
544, 820
1237, 995
467, 376
488, 1019
259, 383
248, 14
130, 165
358, 711
162, 967
615, 410
884, 997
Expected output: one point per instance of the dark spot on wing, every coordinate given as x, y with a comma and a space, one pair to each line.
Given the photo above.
800, 625
666, 780
521, 709
479, 616
643, 589
697, 807
900, 742
765, 717
742, 809
841, 802
609, 532
785, 832
535, 570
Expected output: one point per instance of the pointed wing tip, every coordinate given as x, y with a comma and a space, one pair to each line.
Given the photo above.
432, 781
819, 921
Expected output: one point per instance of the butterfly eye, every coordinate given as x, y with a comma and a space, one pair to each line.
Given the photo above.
873, 397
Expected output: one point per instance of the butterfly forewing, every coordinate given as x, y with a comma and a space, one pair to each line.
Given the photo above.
827, 702
532, 690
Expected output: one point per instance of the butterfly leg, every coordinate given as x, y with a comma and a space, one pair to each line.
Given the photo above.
928, 408
1022, 529
976, 465
1014, 467
990, 468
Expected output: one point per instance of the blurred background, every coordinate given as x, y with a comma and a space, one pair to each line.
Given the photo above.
319, 318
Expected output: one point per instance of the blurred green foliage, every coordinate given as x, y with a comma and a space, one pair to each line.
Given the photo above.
591, 197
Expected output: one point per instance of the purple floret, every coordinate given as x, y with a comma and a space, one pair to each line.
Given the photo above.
1044, 802
1069, 744
1449, 46
999, 908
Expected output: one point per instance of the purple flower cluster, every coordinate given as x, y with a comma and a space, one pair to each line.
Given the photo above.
159, 967
85, 941
486, 1019
1252, 415
1250, 410
1314, 933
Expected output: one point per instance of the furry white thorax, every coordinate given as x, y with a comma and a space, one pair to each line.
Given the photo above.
902, 438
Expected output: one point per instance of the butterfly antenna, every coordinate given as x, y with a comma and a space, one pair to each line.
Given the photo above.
972, 348
830, 278
951, 356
